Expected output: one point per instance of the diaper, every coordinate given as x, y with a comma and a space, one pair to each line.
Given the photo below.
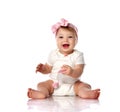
64, 89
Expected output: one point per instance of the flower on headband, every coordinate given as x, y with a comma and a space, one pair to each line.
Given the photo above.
63, 22
56, 26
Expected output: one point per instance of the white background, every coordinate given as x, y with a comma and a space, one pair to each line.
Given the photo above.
26, 40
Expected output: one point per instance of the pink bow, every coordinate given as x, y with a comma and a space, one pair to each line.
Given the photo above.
63, 22
55, 27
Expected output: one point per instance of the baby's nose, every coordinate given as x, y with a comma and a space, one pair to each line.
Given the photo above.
65, 39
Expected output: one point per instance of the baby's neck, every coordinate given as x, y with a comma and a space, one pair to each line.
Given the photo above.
66, 53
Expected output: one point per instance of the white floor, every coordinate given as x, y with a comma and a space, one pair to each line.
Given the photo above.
62, 104
14, 99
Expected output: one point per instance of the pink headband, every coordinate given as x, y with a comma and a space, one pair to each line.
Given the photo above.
65, 23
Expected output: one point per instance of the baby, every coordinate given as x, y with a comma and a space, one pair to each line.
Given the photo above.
65, 66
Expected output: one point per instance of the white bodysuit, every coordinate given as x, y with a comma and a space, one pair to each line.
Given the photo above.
57, 60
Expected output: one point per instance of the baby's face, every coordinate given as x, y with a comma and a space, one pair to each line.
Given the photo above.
66, 41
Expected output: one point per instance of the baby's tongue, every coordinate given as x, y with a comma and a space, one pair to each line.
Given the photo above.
65, 45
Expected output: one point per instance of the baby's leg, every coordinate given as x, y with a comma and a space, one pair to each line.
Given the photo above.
45, 89
83, 90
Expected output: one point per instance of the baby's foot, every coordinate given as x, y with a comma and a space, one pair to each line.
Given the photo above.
34, 94
89, 94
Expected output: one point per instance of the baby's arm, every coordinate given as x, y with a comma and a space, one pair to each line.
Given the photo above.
44, 68
73, 72
77, 71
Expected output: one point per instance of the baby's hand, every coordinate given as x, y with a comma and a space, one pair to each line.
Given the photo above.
40, 68
66, 69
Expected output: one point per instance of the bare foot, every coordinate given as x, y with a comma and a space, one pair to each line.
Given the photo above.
35, 94
89, 94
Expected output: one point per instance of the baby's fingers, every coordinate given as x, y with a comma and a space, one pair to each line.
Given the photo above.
39, 67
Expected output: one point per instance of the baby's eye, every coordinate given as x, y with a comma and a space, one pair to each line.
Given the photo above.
70, 36
60, 37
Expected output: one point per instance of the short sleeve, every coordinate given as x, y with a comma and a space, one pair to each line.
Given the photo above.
51, 58
79, 58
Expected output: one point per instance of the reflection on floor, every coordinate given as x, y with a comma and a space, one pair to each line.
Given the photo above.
61, 104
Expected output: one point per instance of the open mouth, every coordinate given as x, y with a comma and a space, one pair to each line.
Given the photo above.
65, 45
